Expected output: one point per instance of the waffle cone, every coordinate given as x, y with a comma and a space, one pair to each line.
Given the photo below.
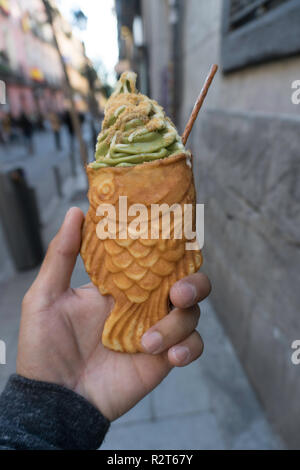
137, 273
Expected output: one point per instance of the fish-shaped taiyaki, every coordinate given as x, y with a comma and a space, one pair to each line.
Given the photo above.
140, 160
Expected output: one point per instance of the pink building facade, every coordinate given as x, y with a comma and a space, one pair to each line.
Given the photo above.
29, 63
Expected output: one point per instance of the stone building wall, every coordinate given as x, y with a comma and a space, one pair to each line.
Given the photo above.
155, 15
246, 146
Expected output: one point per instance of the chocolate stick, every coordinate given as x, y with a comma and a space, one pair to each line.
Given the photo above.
199, 103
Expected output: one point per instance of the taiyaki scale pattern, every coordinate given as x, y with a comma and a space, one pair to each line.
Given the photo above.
138, 272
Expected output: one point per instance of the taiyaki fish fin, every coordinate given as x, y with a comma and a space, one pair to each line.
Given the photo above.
127, 323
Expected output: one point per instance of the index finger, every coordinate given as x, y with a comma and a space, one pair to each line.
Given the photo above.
190, 290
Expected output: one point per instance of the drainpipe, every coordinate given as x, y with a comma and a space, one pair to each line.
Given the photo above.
175, 9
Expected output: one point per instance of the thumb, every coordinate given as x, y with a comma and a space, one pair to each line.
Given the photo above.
56, 271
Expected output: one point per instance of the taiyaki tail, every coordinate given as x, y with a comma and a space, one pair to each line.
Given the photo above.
127, 323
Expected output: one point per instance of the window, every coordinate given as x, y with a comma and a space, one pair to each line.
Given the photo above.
256, 31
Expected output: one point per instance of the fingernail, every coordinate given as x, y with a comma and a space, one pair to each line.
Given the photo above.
181, 353
152, 341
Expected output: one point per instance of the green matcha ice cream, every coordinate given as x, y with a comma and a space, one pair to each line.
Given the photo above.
135, 129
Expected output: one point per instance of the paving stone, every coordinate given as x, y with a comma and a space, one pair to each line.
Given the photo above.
231, 399
192, 431
184, 391
257, 437
143, 411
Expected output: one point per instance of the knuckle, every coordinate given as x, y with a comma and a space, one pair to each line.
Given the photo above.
179, 318
27, 299
209, 286
199, 346
191, 312
200, 280
206, 282
194, 315
196, 311
185, 320
58, 248
53, 244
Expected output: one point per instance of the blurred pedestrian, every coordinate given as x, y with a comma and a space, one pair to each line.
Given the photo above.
26, 127
6, 128
69, 124
40, 125
2, 139
56, 126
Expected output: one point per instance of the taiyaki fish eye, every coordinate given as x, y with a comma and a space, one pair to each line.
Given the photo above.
106, 186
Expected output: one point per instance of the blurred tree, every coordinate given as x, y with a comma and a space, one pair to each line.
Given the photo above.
91, 75
97, 78
102, 72
52, 12
88, 71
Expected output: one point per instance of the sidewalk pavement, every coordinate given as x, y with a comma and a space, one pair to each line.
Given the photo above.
208, 405
48, 171
41, 168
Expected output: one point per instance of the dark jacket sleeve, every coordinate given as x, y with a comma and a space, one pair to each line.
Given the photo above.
44, 416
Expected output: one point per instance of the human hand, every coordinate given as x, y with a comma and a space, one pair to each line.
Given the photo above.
61, 329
